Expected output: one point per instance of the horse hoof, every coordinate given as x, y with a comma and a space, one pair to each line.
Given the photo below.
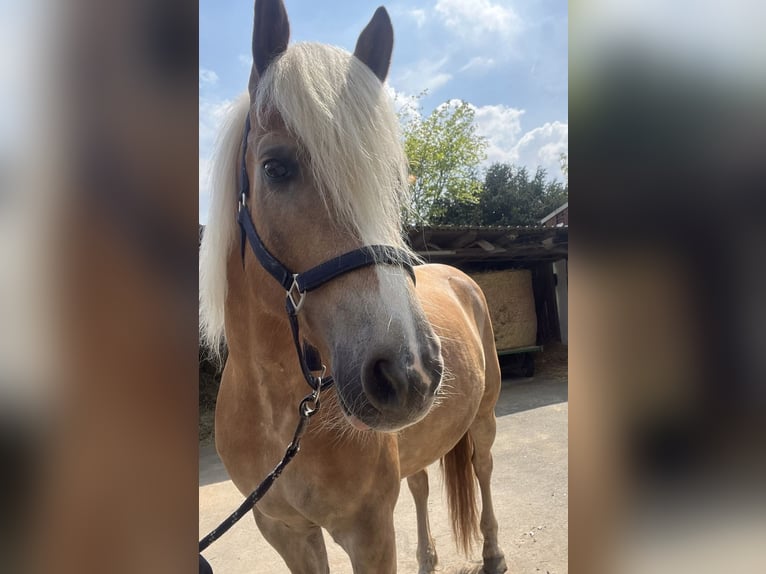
495, 565
429, 565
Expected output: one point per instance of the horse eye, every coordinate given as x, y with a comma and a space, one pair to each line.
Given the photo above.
275, 169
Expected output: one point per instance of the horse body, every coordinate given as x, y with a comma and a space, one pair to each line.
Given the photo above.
343, 477
416, 375
456, 309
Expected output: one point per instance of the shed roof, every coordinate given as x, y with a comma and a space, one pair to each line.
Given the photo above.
555, 212
458, 245
490, 245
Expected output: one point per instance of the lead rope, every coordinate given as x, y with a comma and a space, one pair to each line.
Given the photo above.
308, 408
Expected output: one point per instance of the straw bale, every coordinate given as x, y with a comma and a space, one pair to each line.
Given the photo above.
511, 305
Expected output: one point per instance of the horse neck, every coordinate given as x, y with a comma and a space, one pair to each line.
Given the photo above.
257, 329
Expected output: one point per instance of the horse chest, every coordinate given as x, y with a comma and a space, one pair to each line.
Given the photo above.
327, 481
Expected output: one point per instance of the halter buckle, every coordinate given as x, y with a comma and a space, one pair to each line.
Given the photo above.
242, 201
294, 292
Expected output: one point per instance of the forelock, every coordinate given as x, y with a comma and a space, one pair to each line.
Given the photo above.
343, 120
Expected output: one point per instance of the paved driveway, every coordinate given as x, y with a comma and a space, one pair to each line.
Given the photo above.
530, 493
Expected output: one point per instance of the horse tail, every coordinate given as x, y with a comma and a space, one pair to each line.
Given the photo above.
460, 484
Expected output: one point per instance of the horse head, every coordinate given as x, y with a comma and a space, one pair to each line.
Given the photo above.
327, 175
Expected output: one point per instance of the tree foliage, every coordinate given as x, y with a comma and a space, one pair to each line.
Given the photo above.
514, 197
564, 162
510, 196
444, 153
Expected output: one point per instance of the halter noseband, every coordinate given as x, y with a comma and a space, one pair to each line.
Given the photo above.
296, 285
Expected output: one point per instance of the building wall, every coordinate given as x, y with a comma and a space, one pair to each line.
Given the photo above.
560, 269
561, 218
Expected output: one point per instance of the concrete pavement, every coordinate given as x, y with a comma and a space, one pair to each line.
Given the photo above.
529, 484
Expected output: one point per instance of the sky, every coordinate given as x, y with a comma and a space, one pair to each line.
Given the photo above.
507, 58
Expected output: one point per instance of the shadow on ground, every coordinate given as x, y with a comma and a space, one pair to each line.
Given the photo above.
211, 469
518, 395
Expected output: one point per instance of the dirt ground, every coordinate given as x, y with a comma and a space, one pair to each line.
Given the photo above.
529, 488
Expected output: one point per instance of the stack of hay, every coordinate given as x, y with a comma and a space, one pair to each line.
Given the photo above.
511, 305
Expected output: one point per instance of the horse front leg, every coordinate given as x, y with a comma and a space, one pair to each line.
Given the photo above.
427, 559
302, 549
369, 540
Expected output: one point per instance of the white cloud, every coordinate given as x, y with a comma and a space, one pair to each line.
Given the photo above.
211, 114
501, 125
246, 60
479, 64
207, 77
452, 103
543, 147
423, 75
477, 19
406, 105
418, 15
508, 143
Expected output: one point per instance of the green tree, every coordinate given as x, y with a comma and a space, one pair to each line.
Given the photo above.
564, 161
444, 153
513, 197
455, 212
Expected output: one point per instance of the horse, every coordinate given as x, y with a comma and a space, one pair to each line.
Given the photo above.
411, 350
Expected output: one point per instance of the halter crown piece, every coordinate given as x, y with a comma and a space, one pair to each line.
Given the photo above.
297, 285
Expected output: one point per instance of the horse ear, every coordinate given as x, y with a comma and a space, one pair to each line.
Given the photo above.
376, 43
271, 32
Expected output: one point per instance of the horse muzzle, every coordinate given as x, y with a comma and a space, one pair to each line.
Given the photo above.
391, 390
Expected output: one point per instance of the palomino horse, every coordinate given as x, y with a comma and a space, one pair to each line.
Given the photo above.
416, 375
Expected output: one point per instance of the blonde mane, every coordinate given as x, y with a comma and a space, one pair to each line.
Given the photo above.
344, 120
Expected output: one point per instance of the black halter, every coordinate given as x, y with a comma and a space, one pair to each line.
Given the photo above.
297, 285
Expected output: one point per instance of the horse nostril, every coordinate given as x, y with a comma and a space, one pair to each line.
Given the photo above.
385, 383
393, 382
382, 370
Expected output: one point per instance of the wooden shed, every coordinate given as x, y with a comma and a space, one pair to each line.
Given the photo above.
514, 266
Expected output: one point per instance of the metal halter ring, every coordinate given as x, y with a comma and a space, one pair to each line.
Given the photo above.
304, 409
301, 295
324, 370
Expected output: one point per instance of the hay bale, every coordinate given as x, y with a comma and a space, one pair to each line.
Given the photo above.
511, 305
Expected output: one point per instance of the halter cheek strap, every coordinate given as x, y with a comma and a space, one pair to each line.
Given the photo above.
297, 285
